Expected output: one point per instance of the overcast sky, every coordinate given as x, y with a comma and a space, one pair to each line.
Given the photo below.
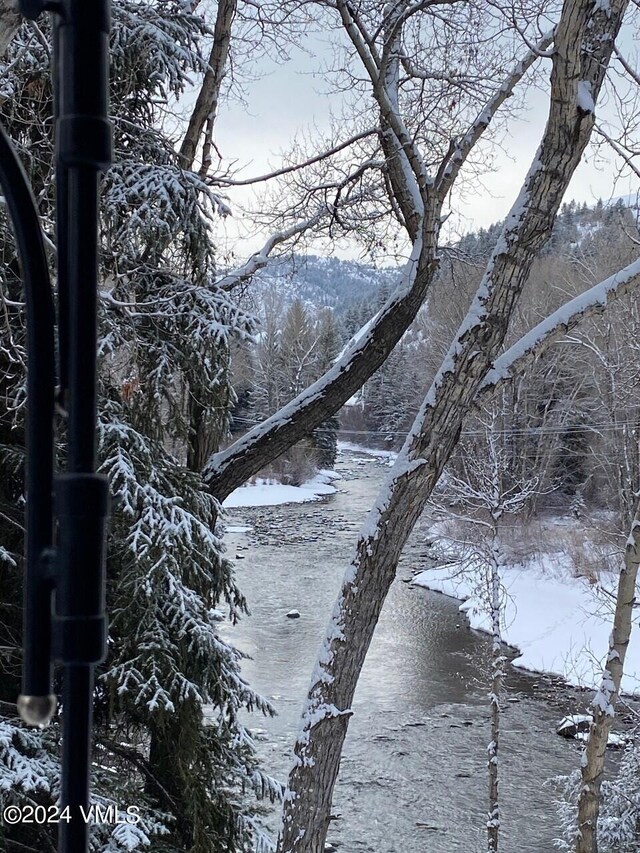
289, 98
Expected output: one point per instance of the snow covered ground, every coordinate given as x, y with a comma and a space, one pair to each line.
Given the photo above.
266, 493
350, 447
270, 493
559, 623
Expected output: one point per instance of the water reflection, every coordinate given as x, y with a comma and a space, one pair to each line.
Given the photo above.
413, 775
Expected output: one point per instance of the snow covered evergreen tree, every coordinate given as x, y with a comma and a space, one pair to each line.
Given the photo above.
390, 396
168, 734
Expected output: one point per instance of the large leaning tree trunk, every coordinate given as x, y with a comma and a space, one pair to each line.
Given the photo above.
418, 198
583, 44
604, 702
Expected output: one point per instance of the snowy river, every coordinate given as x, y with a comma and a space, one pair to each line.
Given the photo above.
413, 774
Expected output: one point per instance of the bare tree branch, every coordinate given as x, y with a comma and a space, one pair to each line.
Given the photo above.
407, 169
590, 303
635, 76
460, 149
230, 468
620, 151
285, 170
259, 260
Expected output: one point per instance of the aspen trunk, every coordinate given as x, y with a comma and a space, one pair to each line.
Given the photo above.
605, 700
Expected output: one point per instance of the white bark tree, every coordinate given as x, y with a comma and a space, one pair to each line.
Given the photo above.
485, 490
582, 48
604, 702
408, 155
415, 183
418, 132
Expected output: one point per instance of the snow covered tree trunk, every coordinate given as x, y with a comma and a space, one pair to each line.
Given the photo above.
604, 703
9, 23
232, 467
584, 43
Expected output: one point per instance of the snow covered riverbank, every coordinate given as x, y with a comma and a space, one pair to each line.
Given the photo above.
559, 623
421, 692
268, 493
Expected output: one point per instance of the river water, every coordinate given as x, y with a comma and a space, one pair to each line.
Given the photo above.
413, 773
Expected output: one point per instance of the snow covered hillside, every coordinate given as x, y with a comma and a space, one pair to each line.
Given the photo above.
324, 282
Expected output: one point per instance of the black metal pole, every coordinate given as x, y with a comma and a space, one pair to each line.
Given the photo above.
62, 240
75, 628
83, 143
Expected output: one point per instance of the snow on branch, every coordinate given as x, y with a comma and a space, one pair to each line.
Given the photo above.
585, 98
259, 259
229, 468
592, 301
385, 91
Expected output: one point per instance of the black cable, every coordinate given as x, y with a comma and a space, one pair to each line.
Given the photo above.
36, 704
